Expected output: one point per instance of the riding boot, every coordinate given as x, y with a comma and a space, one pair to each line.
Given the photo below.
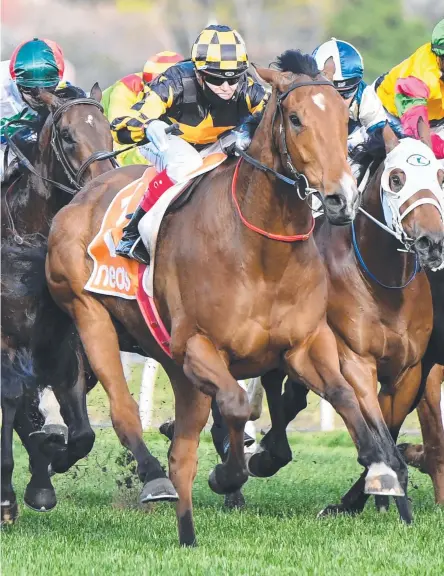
130, 245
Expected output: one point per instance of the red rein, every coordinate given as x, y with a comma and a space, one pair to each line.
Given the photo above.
295, 238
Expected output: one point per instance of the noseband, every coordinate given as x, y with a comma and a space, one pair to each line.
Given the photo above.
299, 180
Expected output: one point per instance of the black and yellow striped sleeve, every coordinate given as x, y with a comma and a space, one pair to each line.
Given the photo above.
159, 96
256, 96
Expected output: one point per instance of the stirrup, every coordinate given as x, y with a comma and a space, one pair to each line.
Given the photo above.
139, 252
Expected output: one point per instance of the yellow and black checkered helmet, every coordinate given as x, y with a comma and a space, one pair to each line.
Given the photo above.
220, 51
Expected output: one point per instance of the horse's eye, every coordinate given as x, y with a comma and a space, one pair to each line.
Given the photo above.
396, 182
66, 136
295, 120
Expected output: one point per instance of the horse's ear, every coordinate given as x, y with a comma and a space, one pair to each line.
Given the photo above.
424, 132
268, 75
390, 138
96, 92
329, 69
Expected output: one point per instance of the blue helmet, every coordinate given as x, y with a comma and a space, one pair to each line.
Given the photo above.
348, 62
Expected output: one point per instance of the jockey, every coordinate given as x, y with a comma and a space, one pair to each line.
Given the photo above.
414, 90
207, 96
34, 65
341, 63
121, 96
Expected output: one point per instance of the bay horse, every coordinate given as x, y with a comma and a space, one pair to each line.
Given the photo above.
379, 307
73, 128
237, 301
429, 457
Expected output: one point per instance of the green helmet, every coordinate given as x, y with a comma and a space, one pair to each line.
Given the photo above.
37, 64
438, 39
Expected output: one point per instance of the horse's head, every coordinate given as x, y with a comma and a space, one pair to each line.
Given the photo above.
73, 131
313, 128
413, 198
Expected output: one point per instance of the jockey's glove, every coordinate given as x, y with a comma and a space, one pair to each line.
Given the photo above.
155, 132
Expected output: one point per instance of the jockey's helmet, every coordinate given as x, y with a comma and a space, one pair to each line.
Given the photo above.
37, 64
438, 39
158, 63
349, 66
220, 51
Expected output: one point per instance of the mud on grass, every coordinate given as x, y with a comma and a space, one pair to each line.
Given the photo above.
278, 534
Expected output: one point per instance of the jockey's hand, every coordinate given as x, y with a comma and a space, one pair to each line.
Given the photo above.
155, 132
243, 139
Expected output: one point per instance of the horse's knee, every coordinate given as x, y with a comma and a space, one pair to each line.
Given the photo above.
234, 406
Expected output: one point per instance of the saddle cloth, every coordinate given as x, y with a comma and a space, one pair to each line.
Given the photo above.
113, 275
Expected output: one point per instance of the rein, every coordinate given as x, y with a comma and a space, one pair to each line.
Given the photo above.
371, 275
279, 237
299, 180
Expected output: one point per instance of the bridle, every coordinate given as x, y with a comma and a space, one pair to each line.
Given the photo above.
298, 180
74, 176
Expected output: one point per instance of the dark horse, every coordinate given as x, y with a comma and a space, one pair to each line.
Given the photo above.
380, 309
259, 303
73, 128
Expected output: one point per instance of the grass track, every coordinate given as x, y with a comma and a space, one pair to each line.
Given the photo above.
93, 530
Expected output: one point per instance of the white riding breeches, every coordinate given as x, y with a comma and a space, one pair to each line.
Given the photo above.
179, 159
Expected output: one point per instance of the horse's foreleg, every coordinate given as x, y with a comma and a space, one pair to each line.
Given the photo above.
317, 366
192, 410
274, 451
72, 400
39, 494
361, 374
101, 345
207, 369
429, 412
9, 508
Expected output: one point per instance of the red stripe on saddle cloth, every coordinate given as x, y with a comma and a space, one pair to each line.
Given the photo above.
151, 316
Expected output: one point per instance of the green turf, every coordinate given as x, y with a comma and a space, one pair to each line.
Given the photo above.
95, 530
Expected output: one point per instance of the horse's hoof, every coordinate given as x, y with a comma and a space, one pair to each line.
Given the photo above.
49, 444
382, 481
214, 484
226, 483
167, 429
235, 500
414, 456
40, 499
262, 465
159, 490
9, 512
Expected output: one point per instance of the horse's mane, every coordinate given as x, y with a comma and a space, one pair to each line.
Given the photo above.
298, 63
370, 153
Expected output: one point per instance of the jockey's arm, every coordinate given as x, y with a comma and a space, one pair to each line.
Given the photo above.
411, 104
371, 111
119, 101
158, 98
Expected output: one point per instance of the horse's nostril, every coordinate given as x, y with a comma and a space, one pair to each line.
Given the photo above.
423, 243
335, 201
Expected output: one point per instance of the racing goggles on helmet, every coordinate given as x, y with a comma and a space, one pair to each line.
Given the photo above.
230, 76
347, 88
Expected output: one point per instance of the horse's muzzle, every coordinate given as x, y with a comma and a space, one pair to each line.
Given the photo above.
339, 210
430, 249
